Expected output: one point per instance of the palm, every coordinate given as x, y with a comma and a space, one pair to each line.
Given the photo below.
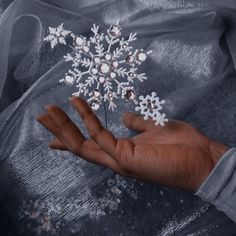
176, 155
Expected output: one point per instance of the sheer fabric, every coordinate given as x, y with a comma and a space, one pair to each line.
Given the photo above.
192, 67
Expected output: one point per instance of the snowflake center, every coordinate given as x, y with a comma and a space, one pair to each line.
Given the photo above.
104, 67
151, 105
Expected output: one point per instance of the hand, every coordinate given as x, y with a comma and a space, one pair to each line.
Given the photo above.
176, 155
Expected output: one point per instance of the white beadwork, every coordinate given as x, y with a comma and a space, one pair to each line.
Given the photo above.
105, 67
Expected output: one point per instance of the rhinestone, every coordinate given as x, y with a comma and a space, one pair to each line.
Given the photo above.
115, 64
130, 74
129, 95
110, 95
97, 38
114, 31
95, 105
150, 105
83, 89
69, 79
125, 45
130, 59
96, 93
104, 67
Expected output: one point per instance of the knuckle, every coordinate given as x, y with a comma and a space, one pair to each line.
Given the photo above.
95, 133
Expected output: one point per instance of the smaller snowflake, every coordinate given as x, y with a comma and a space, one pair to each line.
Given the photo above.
150, 107
57, 35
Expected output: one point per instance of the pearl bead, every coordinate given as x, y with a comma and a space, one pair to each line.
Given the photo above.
79, 41
96, 60
69, 79
101, 79
112, 75
104, 67
142, 56
108, 56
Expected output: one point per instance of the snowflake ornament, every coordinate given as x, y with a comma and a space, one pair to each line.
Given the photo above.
150, 107
105, 67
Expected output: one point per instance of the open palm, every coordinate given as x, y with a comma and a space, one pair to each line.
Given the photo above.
176, 155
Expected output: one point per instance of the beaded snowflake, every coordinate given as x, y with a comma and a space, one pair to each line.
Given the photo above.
104, 69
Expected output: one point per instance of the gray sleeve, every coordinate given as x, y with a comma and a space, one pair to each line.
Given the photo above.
219, 188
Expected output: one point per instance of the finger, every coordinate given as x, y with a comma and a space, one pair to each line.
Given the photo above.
97, 132
89, 151
57, 144
70, 134
49, 124
137, 123
93, 153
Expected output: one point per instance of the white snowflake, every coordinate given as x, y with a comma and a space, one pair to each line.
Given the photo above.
57, 35
150, 107
103, 67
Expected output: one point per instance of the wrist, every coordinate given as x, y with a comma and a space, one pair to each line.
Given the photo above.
217, 150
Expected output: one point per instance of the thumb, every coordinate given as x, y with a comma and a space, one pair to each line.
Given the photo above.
135, 122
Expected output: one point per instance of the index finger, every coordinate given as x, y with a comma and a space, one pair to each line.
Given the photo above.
97, 132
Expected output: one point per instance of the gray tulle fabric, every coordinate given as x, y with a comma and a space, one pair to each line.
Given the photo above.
192, 67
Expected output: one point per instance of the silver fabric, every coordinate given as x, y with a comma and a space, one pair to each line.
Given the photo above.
219, 188
192, 67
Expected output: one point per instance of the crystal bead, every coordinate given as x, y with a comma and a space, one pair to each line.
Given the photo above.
114, 31
115, 63
96, 93
95, 105
125, 45
131, 74
110, 95
151, 105
129, 95
97, 38
130, 59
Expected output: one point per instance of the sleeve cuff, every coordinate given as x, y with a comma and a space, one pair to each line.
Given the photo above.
219, 188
